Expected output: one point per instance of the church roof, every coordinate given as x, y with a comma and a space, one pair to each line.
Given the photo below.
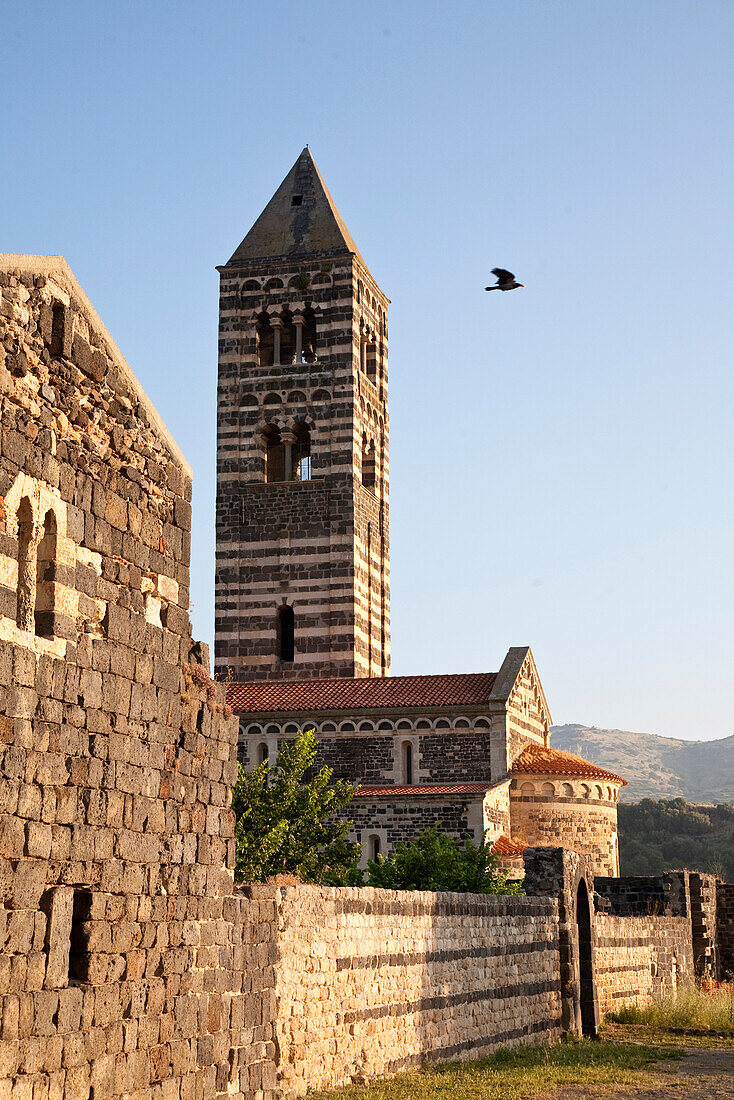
504, 846
368, 693
425, 789
539, 760
300, 219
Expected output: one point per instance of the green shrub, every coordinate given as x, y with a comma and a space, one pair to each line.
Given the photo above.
286, 823
435, 861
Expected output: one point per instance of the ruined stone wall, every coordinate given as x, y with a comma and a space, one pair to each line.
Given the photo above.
702, 889
371, 982
725, 930
118, 974
636, 958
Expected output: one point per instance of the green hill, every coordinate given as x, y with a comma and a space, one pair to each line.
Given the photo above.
662, 836
656, 767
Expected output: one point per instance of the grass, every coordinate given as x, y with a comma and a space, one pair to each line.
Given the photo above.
512, 1074
694, 1010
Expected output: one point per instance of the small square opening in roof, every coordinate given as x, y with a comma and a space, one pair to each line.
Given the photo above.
296, 200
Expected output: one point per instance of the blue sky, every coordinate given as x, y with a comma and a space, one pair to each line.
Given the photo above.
561, 457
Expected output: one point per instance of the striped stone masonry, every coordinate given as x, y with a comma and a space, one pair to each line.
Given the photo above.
303, 531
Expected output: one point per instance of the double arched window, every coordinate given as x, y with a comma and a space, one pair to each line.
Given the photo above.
286, 338
287, 453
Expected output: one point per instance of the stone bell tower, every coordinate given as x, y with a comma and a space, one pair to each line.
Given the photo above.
303, 561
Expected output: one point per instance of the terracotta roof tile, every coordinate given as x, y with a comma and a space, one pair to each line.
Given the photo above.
434, 788
503, 846
375, 693
536, 759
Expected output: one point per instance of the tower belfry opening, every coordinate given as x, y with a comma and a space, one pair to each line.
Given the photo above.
302, 506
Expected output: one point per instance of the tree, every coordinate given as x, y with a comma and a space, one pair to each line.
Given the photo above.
436, 861
287, 824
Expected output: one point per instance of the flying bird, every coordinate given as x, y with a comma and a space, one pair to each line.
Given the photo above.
505, 280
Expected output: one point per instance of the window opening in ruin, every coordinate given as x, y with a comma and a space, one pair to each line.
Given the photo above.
274, 455
79, 937
296, 200
586, 975
286, 633
58, 321
45, 559
301, 458
407, 763
25, 617
264, 331
263, 752
374, 847
369, 472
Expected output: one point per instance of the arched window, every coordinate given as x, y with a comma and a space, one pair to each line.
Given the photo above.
375, 846
548, 789
301, 458
598, 792
264, 332
567, 790
45, 558
26, 568
527, 789
263, 752
274, 454
369, 473
407, 763
285, 629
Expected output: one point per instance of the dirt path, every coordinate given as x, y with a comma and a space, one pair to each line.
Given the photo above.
703, 1075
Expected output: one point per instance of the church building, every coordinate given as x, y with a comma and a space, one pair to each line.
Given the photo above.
303, 567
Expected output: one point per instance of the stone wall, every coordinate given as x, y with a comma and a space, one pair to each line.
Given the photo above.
371, 982
639, 957
117, 972
725, 930
702, 891
398, 818
370, 750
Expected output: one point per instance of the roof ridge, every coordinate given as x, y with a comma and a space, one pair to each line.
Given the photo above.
546, 753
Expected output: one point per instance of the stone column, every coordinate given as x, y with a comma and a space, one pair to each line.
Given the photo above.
299, 320
288, 439
277, 326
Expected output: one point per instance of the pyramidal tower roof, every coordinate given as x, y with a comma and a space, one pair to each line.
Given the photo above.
300, 219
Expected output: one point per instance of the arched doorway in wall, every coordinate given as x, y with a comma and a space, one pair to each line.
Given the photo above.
586, 973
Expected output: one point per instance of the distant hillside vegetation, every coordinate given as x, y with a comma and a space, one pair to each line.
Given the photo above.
662, 836
656, 767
